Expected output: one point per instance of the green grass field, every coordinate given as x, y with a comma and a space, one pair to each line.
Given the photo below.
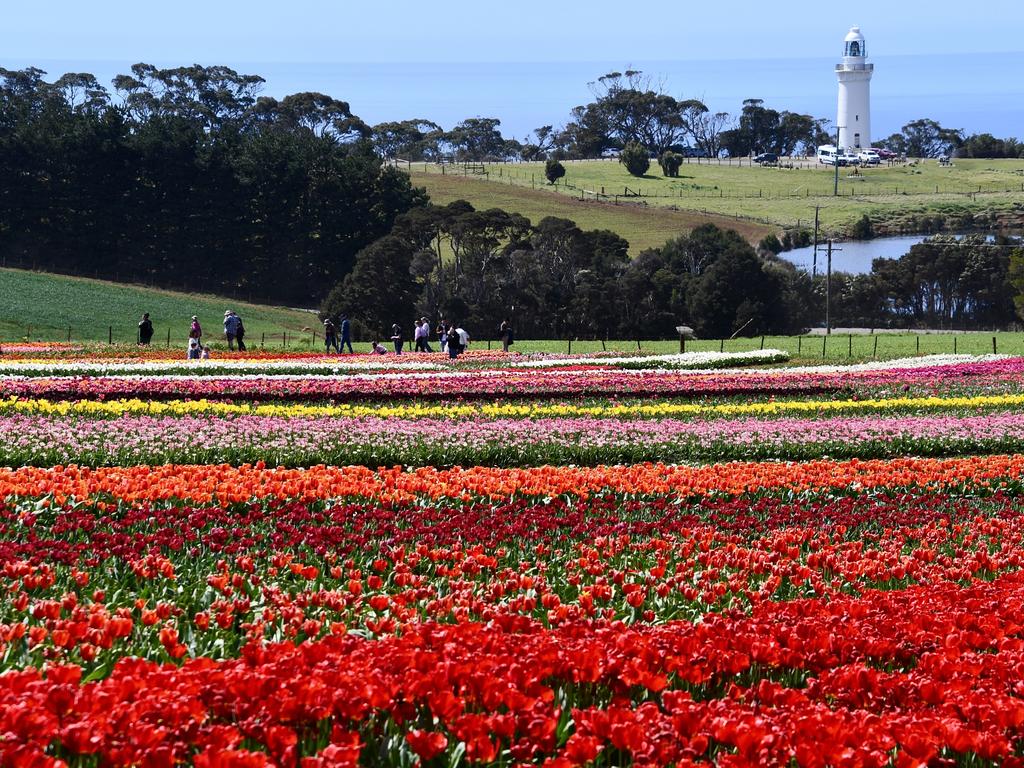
43, 307
896, 198
837, 348
643, 227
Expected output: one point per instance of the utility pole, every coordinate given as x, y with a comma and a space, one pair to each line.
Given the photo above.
828, 290
814, 264
835, 190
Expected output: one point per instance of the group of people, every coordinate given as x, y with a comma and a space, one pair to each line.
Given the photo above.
332, 338
453, 339
234, 333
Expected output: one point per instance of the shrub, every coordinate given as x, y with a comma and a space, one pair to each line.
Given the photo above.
553, 170
863, 230
635, 157
670, 162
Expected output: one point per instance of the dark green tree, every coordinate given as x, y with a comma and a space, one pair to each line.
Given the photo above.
379, 291
735, 295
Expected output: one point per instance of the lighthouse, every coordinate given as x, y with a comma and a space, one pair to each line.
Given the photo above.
853, 117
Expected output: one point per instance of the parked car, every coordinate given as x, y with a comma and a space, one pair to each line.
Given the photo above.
849, 158
828, 155
884, 154
766, 158
869, 157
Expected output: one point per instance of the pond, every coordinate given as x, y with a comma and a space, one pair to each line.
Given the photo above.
856, 255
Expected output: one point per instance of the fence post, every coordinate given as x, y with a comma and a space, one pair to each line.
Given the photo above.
168, 338
638, 346
954, 343
994, 345
263, 340
682, 344
110, 334
849, 352
824, 340
284, 339
874, 352
313, 343
603, 347
570, 346
799, 343
917, 344
721, 345
762, 342
69, 334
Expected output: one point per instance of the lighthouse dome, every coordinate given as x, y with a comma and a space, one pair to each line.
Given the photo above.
854, 44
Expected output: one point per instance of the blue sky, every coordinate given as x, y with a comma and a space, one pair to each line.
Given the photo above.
529, 62
478, 30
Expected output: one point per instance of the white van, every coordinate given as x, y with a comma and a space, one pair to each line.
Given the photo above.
829, 155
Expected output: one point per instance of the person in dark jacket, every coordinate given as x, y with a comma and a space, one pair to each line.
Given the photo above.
346, 335
145, 329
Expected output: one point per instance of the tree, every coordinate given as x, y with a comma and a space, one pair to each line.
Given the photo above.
553, 171
670, 163
735, 295
761, 129
478, 139
542, 143
417, 139
380, 289
986, 145
707, 129
926, 138
634, 156
1016, 279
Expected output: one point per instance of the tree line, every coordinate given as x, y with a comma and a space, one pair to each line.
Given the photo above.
555, 280
186, 178
945, 282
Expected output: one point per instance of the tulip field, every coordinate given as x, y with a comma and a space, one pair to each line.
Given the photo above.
509, 560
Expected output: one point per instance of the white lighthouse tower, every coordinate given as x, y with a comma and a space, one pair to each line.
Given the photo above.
854, 115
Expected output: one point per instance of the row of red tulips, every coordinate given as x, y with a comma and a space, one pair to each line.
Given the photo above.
930, 675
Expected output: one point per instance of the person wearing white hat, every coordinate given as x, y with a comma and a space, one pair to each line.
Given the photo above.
230, 328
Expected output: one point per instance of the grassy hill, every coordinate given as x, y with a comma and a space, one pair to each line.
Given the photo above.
896, 198
42, 307
644, 227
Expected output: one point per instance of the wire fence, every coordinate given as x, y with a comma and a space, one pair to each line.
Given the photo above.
818, 346
853, 186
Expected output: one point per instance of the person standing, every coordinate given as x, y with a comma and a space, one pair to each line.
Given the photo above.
230, 328
416, 336
505, 334
463, 339
396, 338
240, 333
453, 342
145, 329
426, 334
196, 330
330, 336
346, 335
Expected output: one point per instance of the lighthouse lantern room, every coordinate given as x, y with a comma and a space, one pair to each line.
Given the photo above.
853, 117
